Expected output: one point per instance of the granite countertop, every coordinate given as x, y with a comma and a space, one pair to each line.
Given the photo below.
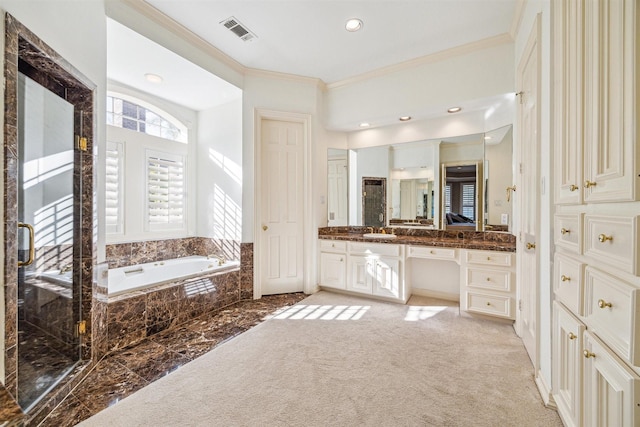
10, 413
489, 241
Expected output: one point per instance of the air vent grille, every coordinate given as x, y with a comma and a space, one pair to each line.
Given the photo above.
238, 29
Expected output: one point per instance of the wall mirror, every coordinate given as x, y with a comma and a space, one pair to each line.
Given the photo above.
448, 183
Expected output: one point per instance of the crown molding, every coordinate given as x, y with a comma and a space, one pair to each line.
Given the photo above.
435, 57
517, 18
182, 32
255, 72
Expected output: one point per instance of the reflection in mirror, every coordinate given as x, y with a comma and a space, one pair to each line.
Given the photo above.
337, 180
374, 202
415, 186
462, 201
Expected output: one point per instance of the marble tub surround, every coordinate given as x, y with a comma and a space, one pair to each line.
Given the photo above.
10, 413
134, 316
438, 238
127, 370
132, 253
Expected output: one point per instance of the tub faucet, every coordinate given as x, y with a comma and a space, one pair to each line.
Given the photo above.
370, 229
382, 230
218, 257
65, 268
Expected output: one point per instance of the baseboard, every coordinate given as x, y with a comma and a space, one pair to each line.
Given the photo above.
435, 294
545, 392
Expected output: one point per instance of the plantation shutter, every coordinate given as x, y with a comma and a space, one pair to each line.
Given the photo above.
469, 200
447, 199
113, 187
165, 190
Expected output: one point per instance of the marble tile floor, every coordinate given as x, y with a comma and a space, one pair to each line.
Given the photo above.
125, 371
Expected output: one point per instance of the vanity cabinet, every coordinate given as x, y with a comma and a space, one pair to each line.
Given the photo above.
333, 264
487, 283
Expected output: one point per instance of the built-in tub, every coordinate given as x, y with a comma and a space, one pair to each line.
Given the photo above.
141, 276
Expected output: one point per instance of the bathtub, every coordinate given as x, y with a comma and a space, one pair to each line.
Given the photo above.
140, 276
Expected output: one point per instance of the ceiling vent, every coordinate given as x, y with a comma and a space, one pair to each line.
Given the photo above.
238, 29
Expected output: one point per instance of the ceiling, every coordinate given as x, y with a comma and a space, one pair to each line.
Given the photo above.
300, 37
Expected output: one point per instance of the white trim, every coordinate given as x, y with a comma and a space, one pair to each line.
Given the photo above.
448, 296
254, 72
545, 392
308, 233
464, 49
517, 18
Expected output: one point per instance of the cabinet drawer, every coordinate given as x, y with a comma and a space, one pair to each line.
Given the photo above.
333, 245
493, 305
612, 312
485, 278
613, 240
489, 258
432, 253
374, 249
567, 283
568, 232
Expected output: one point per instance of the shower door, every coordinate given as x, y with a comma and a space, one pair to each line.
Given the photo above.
48, 346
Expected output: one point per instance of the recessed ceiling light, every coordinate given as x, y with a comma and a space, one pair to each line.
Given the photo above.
405, 118
365, 125
353, 25
153, 78
454, 109
486, 138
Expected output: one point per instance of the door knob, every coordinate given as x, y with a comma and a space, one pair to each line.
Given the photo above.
265, 228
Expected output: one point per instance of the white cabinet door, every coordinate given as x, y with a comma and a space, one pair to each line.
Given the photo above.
610, 73
360, 270
567, 381
386, 281
611, 389
333, 270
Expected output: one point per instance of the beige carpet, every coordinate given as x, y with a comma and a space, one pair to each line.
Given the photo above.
335, 360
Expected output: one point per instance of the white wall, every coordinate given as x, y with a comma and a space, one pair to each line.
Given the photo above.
219, 172
372, 163
77, 31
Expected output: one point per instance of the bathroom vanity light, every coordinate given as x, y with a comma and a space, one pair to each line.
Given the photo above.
353, 25
454, 109
153, 78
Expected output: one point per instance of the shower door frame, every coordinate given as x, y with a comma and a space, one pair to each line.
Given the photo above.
24, 50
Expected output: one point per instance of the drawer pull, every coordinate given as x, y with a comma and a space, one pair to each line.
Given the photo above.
603, 238
573, 187
488, 303
565, 231
565, 278
603, 304
589, 184
341, 259
588, 354
572, 336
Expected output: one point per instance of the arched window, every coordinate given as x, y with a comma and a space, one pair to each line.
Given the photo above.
129, 113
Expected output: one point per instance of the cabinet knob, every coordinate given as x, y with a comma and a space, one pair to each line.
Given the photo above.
603, 238
488, 303
341, 259
565, 231
603, 304
573, 187
265, 228
488, 258
488, 279
588, 354
432, 252
572, 336
565, 278
589, 184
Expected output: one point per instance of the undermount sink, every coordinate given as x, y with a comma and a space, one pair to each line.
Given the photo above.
379, 236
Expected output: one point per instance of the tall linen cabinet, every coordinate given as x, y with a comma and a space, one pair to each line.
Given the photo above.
596, 180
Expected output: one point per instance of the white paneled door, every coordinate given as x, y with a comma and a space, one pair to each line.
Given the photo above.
281, 186
528, 262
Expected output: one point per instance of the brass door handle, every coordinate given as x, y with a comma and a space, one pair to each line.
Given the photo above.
573, 187
531, 245
265, 228
572, 336
509, 190
603, 238
565, 231
565, 278
32, 248
588, 354
603, 304
589, 184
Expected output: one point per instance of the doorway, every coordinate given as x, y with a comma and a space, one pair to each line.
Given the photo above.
48, 216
